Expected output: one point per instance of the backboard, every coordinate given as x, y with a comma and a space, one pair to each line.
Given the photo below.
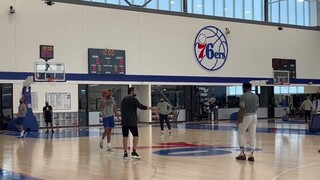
49, 71
281, 77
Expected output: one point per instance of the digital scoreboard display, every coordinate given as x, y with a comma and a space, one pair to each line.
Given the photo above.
285, 65
107, 61
46, 52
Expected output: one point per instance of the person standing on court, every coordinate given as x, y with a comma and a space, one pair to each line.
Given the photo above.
129, 121
22, 110
47, 115
164, 110
306, 106
108, 110
247, 120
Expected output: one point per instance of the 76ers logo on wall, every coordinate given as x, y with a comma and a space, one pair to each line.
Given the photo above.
211, 48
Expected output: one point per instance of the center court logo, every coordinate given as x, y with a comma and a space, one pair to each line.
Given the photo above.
211, 48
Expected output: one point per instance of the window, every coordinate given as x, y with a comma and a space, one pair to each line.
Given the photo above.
122, 2
274, 10
231, 90
288, 89
218, 8
276, 90
258, 10
208, 7
138, 2
306, 13
300, 89
229, 8
239, 9
313, 13
292, 11
164, 5
153, 4
113, 2
197, 7
176, 5
300, 19
248, 9
295, 12
293, 90
190, 6
99, 1
284, 12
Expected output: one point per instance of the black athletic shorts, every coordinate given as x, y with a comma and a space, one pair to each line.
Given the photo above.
48, 119
133, 130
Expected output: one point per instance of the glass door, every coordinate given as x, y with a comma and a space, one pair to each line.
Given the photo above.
6, 105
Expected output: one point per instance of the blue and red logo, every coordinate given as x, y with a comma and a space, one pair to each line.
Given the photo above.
211, 48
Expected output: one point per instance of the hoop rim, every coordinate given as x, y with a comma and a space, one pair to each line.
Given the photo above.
52, 79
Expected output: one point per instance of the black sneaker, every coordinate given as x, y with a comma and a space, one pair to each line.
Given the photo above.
125, 156
250, 158
135, 155
241, 157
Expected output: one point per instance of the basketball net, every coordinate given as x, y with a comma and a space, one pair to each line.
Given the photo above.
52, 81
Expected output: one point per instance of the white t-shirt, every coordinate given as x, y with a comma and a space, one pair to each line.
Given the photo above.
307, 105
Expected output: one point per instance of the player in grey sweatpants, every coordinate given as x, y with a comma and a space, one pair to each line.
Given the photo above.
247, 120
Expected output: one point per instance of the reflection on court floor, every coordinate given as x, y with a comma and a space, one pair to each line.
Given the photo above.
201, 150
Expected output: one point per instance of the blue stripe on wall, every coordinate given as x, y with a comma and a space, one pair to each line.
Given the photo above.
151, 78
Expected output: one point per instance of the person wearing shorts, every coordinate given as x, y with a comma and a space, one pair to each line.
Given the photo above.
22, 110
129, 121
47, 114
108, 110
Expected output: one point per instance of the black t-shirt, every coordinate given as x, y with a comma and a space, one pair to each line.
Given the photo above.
47, 111
129, 107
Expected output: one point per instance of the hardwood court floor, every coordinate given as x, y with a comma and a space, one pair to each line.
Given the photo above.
195, 151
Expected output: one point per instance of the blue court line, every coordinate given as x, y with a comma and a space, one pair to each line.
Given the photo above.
6, 174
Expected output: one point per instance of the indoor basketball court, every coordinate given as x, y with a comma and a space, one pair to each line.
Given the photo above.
199, 64
204, 150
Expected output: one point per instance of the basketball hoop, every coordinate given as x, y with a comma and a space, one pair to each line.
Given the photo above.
52, 81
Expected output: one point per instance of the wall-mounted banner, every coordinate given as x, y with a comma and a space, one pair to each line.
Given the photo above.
211, 48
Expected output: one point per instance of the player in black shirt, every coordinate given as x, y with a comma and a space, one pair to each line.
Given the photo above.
47, 114
129, 121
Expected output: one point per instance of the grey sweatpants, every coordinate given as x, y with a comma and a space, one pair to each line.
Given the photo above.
249, 123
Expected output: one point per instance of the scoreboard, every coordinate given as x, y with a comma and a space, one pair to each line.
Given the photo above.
46, 52
106, 61
285, 65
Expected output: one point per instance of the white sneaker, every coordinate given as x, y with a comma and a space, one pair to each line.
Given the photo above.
170, 133
161, 134
109, 149
25, 134
101, 144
